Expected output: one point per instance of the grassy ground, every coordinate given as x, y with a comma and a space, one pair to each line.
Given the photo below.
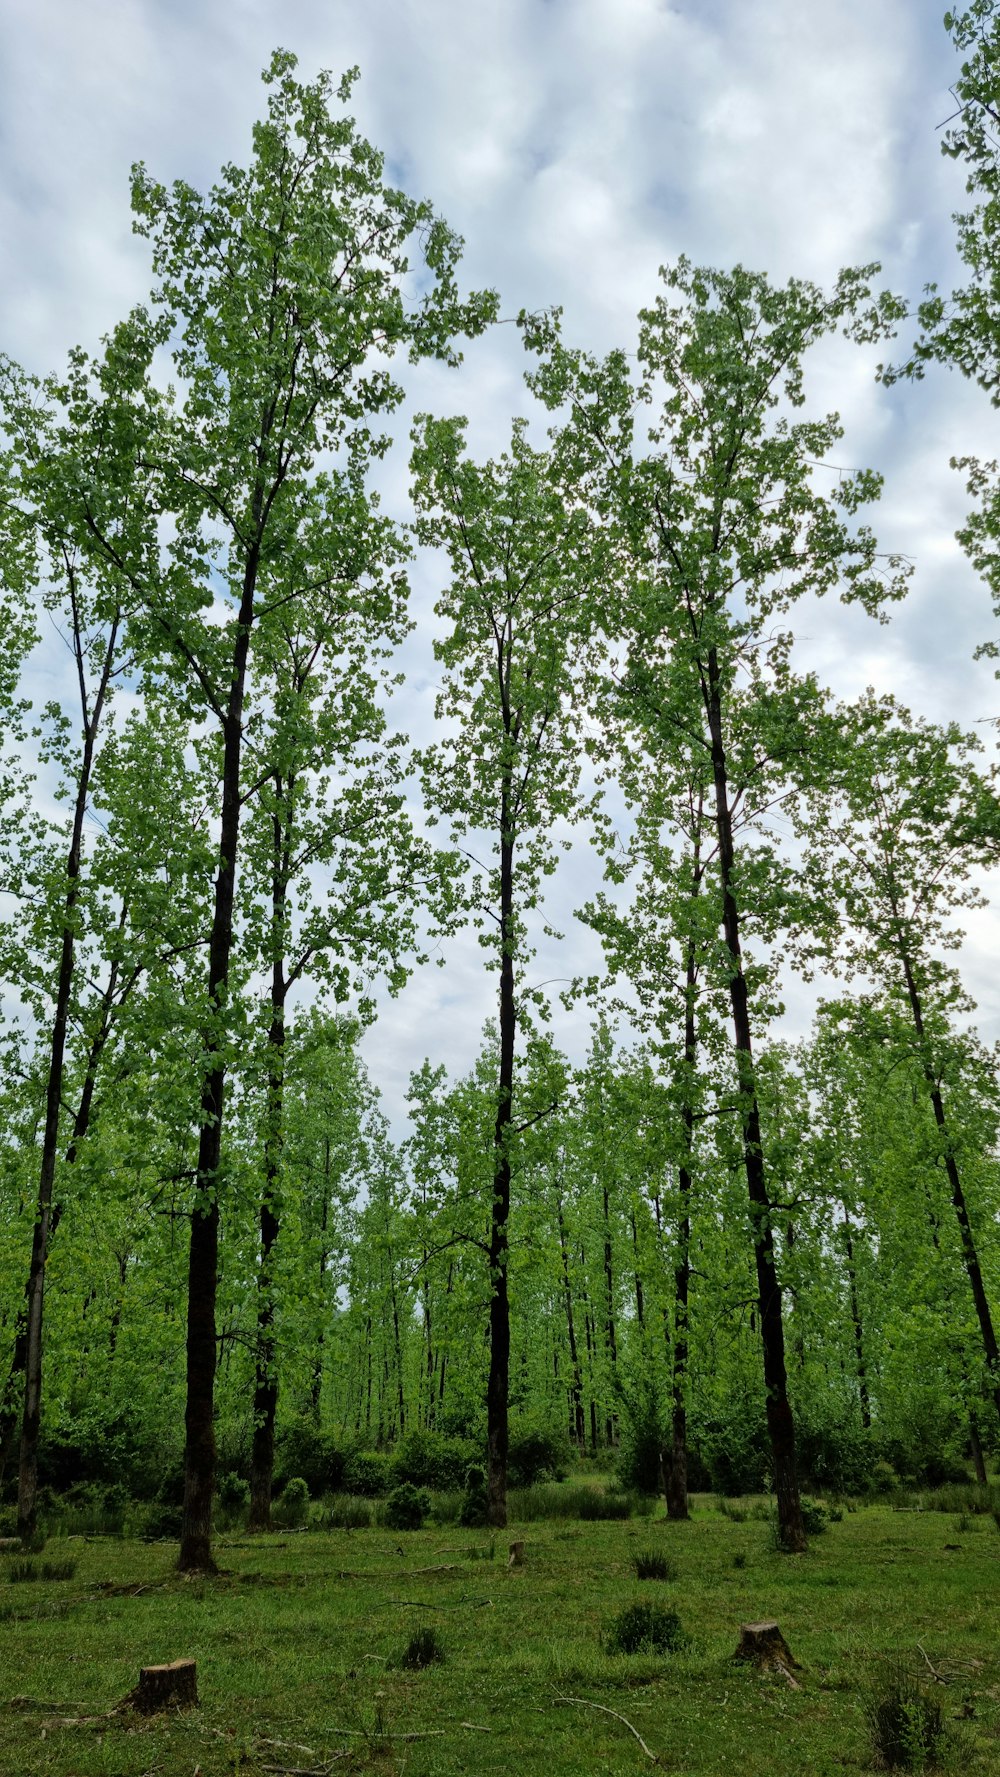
295, 1644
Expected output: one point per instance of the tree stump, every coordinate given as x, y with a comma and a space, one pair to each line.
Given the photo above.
166, 1687
516, 1555
9, 1543
766, 1648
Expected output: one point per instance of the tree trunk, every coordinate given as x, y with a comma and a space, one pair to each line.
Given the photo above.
498, 1383
780, 1424
970, 1255
859, 1345
27, 1491
203, 1259
577, 1425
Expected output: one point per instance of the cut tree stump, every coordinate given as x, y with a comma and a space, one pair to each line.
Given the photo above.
766, 1648
165, 1687
516, 1555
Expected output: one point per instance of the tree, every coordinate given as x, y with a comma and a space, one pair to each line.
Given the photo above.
522, 556
727, 529
281, 294
897, 816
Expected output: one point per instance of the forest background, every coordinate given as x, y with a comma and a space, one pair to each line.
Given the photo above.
372, 1271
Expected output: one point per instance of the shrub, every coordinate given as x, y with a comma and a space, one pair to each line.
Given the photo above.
536, 1454
473, 1510
814, 1517
643, 1434
406, 1507
367, 1472
160, 1521
423, 1649
653, 1566
646, 1628
905, 1723
882, 1479
233, 1492
737, 1450
302, 1450
291, 1508
429, 1459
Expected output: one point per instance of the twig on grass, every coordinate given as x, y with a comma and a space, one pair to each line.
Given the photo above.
371, 1573
585, 1703
425, 1604
935, 1674
368, 1734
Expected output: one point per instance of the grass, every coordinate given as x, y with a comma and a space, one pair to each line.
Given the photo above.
295, 1645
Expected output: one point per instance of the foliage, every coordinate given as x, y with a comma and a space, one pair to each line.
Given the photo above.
652, 1565
646, 1628
291, 1508
536, 1454
905, 1720
367, 1472
815, 1517
424, 1648
406, 1507
430, 1459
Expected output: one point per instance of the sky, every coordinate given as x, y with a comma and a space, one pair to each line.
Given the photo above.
577, 145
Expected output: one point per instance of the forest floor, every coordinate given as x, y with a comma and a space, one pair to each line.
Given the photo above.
296, 1642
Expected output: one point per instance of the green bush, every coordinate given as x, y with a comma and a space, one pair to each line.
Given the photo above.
534, 1454
905, 1722
815, 1517
302, 1450
646, 1628
406, 1507
233, 1492
639, 1463
160, 1522
473, 1510
291, 1508
429, 1459
366, 1472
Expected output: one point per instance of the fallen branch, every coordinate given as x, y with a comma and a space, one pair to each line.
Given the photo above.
585, 1703
368, 1734
932, 1670
409, 1573
425, 1604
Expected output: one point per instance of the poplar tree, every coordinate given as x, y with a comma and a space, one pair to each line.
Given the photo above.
727, 529
518, 610
281, 295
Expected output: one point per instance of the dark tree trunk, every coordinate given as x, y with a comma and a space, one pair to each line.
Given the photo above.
27, 1491
676, 1468
498, 1384
578, 1430
203, 1259
970, 1255
780, 1424
265, 1394
859, 1344
610, 1330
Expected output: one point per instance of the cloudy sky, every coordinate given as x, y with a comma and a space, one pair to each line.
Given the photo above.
577, 145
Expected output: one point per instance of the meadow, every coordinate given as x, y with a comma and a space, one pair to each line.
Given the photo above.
303, 1639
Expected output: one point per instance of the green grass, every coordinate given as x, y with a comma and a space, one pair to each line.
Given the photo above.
296, 1644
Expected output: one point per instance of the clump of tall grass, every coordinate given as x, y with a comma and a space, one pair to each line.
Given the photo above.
345, 1511
557, 1499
